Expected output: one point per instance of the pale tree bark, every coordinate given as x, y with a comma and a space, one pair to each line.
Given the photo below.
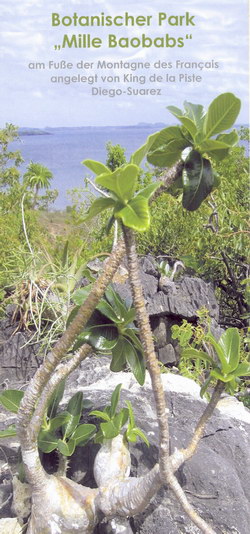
166, 468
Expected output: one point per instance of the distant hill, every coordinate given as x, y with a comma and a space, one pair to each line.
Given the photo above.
32, 131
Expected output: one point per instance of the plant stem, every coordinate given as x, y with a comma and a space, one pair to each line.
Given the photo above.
61, 372
198, 433
148, 347
166, 467
190, 511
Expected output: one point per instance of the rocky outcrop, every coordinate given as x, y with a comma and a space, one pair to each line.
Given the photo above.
216, 479
18, 354
168, 302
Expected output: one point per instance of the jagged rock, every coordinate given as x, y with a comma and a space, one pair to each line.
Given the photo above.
18, 357
216, 479
147, 264
166, 307
183, 298
167, 354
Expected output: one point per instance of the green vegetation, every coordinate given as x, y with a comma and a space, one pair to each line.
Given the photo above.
101, 320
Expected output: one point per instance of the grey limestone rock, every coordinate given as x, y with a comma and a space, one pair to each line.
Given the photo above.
183, 298
216, 479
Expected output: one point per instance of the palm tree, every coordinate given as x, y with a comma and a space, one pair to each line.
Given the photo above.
37, 177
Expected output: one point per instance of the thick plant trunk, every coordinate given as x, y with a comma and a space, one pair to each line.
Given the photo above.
166, 466
148, 348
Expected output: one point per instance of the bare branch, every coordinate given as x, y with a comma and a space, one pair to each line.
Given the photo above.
182, 455
190, 511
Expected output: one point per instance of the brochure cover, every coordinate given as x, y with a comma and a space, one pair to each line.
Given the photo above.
123, 260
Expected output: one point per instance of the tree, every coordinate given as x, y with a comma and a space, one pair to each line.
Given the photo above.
77, 508
115, 156
37, 177
9, 174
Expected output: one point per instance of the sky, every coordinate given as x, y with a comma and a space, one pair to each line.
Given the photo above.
30, 98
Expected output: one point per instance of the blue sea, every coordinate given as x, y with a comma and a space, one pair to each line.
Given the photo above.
63, 150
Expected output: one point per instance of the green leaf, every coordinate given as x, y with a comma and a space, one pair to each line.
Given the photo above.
8, 432
122, 417
211, 145
230, 344
198, 354
218, 155
197, 180
99, 438
118, 356
195, 112
131, 333
10, 399
243, 369
129, 316
72, 315
101, 415
131, 415
66, 448
99, 205
96, 166
65, 254
177, 112
135, 361
189, 125
115, 397
106, 309
141, 152
58, 421
83, 433
80, 295
167, 155
135, 214
165, 136
131, 436
100, 337
47, 442
230, 139
55, 400
116, 302
148, 191
122, 181
220, 352
74, 409
138, 432
221, 114
205, 386
216, 373
109, 430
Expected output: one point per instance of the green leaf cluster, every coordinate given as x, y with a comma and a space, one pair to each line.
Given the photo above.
197, 134
59, 431
129, 208
226, 367
114, 421
111, 329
